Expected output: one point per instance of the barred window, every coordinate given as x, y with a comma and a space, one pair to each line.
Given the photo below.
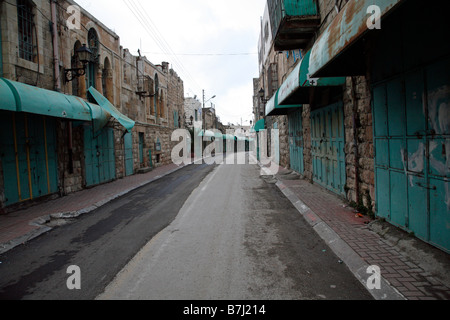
25, 19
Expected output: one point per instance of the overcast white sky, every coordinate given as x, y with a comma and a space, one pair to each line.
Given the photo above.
214, 41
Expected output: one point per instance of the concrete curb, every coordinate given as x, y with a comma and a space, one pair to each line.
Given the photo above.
41, 222
354, 262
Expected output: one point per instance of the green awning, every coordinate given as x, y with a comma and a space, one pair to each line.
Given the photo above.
273, 108
228, 137
20, 97
296, 89
208, 134
349, 26
107, 106
260, 125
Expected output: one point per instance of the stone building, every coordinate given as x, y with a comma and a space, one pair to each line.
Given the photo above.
70, 122
192, 110
367, 114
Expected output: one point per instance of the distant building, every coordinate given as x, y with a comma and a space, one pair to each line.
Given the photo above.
192, 111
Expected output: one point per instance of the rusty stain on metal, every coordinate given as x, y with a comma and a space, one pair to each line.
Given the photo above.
347, 27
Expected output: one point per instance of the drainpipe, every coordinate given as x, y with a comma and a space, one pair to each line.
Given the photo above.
55, 46
355, 140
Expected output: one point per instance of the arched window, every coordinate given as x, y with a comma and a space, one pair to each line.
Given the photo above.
107, 80
154, 105
92, 71
161, 106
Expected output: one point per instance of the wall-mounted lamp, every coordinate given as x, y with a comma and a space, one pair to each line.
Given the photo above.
262, 96
84, 56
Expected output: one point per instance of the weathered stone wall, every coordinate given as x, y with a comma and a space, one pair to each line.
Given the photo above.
70, 162
356, 96
39, 71
175, 99
359, 148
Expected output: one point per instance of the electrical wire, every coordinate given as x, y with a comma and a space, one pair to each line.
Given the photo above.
205, 54
142, 17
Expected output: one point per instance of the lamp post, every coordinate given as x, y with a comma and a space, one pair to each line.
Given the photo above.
262, 96
84, 56
203, 111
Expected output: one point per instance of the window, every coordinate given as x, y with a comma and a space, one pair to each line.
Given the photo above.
92, 70
25, 20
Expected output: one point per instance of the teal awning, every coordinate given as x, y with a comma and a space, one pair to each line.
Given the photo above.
260, 125
20, 97
296, 89
208, 134
344, 31
107, 106
273, 108
228, 137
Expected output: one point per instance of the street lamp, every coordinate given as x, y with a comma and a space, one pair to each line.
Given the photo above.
262, 96
203, 110
84, 56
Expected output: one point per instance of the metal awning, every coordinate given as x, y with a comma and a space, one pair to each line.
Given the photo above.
107, 106
260, 125
207, 133
343, 33
296, 89
228, 137
20, 97
273, 108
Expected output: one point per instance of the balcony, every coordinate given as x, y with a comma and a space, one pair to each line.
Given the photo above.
293, 22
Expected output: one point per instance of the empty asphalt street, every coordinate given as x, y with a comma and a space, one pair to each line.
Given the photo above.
220, 232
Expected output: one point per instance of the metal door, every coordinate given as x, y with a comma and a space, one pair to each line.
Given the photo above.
99, 156
129, 163
28, 155
328, 143
412, 143
296, 141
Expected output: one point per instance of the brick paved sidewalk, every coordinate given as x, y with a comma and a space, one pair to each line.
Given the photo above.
354, 241
24, 225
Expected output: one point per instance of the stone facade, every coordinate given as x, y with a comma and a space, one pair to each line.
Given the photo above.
151, 95
356, 97
192, 108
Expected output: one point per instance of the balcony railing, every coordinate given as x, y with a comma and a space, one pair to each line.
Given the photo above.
293, 22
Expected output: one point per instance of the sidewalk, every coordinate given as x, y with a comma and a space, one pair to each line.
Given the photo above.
21, 226
410, 268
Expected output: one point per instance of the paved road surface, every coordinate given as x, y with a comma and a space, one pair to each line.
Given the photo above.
100, 243
236, 238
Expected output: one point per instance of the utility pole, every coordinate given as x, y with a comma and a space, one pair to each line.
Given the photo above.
204, 114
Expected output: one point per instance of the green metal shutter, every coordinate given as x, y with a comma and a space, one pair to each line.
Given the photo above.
296, 141
99, 156
328, 144
412, 143
28, 155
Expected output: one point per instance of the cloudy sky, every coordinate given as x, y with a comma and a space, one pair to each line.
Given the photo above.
211, 44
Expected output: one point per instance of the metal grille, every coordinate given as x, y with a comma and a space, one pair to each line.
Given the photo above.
26, 23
